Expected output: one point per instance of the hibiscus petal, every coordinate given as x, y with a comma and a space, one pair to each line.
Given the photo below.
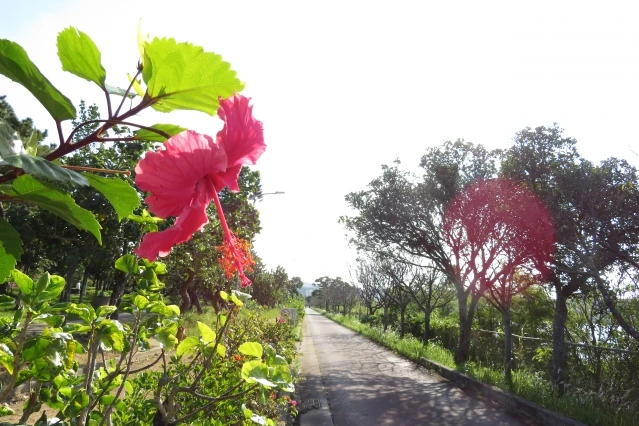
172, 174
192, 219
242, 137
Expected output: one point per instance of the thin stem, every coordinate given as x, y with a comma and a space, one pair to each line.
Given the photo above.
212, 403
148, 366
17, 359
126, 139
136, 330
116, 121
58, 125
137, 74
93, 169
108, 101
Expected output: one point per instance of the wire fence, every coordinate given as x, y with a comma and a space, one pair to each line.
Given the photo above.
609, 373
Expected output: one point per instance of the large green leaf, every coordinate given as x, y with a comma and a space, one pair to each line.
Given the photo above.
256, 371
207, 334
54, 288
48, 197
184, 76
251, 349
120, 194
187, 345
127, 263
23, 281
10, 249
36, 348
149, 135
10, 143
40, 167
80, 56
15, 64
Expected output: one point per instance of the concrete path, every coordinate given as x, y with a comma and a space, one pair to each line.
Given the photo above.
366, 384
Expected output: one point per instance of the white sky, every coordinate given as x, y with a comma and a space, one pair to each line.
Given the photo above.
345, 86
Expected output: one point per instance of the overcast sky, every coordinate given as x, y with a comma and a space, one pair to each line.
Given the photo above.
343, 87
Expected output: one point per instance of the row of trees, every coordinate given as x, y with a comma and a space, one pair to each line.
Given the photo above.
481, 224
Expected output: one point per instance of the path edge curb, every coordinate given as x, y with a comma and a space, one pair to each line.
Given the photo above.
506, 399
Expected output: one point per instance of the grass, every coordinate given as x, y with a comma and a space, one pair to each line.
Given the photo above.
587, 409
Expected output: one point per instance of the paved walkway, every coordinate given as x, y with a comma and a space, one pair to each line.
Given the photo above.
366, 384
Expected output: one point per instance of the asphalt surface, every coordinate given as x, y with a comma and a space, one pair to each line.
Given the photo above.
366, 384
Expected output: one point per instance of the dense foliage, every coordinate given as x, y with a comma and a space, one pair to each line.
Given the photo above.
131, 359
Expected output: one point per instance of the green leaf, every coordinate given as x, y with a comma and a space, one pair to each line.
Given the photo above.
42, 282
35, 348
48, 197
112, 335
235, 300
158, 267
136, 85
80, 56
207, 334
105, 310
251, 349
31, 145
6, 360
5, 410
145, 217
118, 91
10, 143
15, 64
255, 371
107, 399
23, 281
149, 135
221, 350
42, 168
120, 194
10, 249
140, 301
167, 339
127, 263
173, 309
187, 345
183, 76
53, 289
52, 320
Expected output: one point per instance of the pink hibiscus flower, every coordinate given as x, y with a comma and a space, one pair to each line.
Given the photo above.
185, 177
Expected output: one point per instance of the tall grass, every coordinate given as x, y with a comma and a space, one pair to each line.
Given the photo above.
587, 409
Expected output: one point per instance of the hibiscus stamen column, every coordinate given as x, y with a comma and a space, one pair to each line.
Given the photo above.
233, 258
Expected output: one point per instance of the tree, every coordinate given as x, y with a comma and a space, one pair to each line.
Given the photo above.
430, 291
397, 214
593, 213
371, 275
496, 229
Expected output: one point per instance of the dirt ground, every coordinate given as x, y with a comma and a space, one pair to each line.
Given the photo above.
17, 401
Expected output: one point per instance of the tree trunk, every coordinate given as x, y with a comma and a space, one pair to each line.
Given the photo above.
184, 292
508, 346
402, 326
559, 351
426, 326
195, 300
466, 314
118, 292
69, 278
83, 286
385, 318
